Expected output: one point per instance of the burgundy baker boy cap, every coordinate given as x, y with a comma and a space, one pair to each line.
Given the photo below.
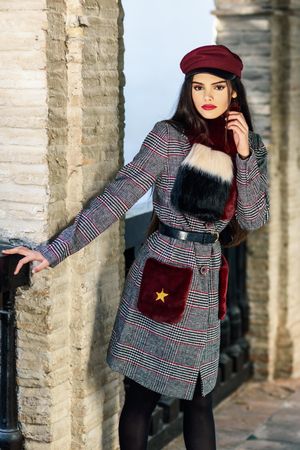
213, 57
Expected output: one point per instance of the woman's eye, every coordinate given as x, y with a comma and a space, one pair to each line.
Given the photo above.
218, 87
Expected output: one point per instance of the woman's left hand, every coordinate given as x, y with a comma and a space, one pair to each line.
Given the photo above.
237, 123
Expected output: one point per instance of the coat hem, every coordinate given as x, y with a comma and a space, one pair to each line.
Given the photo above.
128, 372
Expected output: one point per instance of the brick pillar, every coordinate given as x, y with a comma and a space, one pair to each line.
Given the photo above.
266, 35
61, 128
285, 113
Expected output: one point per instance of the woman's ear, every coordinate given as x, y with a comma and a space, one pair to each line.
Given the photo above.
234, 94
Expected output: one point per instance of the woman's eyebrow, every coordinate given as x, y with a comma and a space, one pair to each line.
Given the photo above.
202, 84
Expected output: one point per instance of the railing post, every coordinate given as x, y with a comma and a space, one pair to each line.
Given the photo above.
10, 434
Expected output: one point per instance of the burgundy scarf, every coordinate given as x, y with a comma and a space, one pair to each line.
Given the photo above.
217, 141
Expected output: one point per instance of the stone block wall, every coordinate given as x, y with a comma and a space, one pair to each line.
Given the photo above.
285, 118
266, 35
61, 128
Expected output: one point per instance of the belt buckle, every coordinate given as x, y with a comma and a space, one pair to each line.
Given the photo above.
216, 234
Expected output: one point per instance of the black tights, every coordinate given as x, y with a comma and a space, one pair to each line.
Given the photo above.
198, 419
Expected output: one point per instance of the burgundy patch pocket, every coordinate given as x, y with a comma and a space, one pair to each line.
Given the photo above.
164, 290
223, 286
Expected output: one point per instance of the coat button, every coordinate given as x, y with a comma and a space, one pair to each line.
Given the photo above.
204, 270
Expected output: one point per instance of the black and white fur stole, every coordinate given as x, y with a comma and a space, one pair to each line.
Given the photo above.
203, 182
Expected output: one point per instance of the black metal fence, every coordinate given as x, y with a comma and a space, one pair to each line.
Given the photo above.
10, 434
234, 366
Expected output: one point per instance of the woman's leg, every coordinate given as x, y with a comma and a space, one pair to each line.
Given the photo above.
136, 415
198, 421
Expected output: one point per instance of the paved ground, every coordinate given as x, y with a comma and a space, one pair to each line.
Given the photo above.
259, 416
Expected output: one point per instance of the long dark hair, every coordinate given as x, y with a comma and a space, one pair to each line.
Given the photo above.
187, 120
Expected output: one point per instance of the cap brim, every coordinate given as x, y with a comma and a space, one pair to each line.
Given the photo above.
218, 72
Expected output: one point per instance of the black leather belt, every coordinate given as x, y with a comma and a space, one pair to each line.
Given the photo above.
209, 237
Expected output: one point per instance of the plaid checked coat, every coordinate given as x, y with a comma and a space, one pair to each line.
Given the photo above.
168, 357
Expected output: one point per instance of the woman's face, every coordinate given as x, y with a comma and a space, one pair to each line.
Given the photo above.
211, 95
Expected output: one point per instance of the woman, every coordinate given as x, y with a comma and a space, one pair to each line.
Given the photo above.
208, 169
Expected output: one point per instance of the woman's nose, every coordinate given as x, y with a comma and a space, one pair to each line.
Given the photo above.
208, 94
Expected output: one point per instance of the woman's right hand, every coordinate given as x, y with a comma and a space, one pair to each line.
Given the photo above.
29, 256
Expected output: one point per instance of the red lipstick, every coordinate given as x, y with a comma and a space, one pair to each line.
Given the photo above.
208, 106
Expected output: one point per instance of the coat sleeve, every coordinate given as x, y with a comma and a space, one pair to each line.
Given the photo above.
130, 183
253, 203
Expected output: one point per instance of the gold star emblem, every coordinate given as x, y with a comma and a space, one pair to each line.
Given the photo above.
161, 296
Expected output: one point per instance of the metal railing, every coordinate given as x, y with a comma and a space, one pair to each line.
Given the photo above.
10, 434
